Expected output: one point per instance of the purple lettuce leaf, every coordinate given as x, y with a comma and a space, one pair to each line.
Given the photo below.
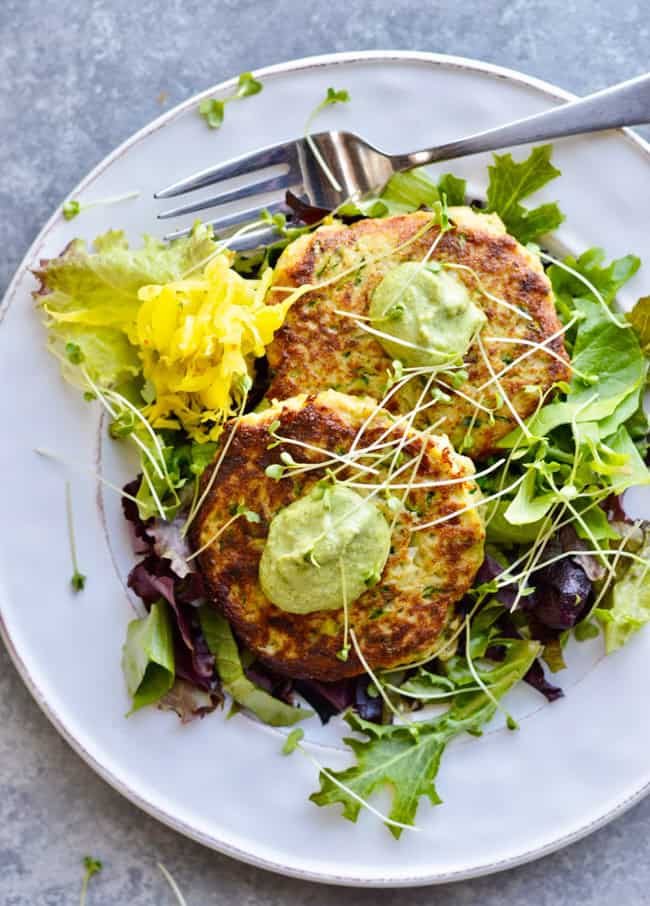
614, 507
327, 699
151, 579
140, 538
488, 571
196, 665
275, 684
189, 701
303, 211
562, 594
368, 707
169, 544
570, 541
537, 679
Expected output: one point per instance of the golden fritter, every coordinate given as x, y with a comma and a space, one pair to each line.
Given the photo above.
318, 348
400, 618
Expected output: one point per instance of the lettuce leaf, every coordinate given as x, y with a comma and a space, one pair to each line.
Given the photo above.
90, 297
612, 355
529, 506
639, 318
406, 759
148, 657
510, 182
223, 646
454, 189
607, 279
406, 192
609, 354
628, 606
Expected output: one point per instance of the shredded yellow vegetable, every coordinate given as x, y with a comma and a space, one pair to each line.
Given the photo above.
197, 339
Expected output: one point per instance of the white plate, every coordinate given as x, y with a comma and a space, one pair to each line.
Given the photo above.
509, 797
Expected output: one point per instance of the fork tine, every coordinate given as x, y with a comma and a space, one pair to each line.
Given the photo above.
246, 163
239, 218
253, 188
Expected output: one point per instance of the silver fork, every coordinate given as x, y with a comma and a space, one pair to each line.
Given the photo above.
357, 169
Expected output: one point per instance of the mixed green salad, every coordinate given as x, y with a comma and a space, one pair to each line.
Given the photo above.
562, 559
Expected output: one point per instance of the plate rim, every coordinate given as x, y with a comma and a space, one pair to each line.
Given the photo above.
104, 772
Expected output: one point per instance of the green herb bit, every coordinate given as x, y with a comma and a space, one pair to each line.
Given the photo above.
74, 353
78, 580
212, 109
293, 740
248, 515
275, 471
92, 867
279, 220
72, 208
332, 97
247, 85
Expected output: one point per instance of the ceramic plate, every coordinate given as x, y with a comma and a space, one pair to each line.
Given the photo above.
508, 797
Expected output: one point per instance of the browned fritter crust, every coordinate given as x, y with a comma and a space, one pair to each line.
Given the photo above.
396, 621
318, 349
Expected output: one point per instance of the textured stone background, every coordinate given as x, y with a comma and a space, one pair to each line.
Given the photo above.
78, 78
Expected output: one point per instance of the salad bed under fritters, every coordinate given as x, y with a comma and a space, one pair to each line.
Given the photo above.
318, 349
399, 619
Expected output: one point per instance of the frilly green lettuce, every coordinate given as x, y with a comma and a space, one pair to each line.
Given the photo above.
90, 297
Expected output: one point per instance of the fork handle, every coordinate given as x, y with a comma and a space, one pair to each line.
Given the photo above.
627, 104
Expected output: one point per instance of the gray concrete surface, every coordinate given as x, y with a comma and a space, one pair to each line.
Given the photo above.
77, 78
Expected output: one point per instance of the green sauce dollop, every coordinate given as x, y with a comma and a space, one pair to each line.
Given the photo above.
429, 308
323, 551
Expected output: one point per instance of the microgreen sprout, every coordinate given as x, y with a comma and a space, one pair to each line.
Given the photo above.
433, 696
74, 353
511, 723
332, 97
378, 686
504, 395
223, 245
48, 454
590, 286
488, 295
78, 580
238, 511
291, 742
72, 208
471, 506
212, 109
108, 399
92, 867
198, 503
612, 573
344, 653
172, 883
296, 293
533, 348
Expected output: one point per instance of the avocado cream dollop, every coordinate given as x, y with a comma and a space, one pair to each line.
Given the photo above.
429, 310
324, 550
